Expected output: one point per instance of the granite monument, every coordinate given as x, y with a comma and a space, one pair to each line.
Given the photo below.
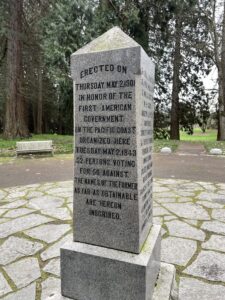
116, 249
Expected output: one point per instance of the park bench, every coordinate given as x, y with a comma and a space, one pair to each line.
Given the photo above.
34, 147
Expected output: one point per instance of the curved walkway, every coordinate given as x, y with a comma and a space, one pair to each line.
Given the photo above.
59, 168
36, 220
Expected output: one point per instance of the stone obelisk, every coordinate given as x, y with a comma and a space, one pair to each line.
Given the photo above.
115, 254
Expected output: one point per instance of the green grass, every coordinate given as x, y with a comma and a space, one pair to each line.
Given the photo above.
209, 145
62, 143
158, 144
208, 139
198, 136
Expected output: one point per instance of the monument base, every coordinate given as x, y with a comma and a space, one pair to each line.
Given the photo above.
166, 286
91, 272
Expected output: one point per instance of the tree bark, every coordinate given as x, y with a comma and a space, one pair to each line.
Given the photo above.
221, 75
40, 100
174, 127
15, 120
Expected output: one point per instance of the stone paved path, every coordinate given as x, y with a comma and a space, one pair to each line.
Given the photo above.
35, 221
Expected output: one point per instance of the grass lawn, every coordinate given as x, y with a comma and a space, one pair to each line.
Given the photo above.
209, 145
198, 136
62, 143
208, 139
159, 144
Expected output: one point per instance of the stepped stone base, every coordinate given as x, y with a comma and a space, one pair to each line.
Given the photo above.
98, 273
166, 287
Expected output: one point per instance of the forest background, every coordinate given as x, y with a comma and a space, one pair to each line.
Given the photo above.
185, 38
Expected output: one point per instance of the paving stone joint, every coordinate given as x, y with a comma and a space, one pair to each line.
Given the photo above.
35, 221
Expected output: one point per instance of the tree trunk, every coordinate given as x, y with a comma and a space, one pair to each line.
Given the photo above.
221, 75
60, 125
40, 100
174, 129
15, 123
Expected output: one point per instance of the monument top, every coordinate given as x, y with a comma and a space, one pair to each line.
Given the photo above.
114, 38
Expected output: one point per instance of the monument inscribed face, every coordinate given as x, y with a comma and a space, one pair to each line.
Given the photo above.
113, 140
116, 249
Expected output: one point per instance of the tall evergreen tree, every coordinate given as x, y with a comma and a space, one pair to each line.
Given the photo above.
188, 63
214, 14
15, 117
222, 121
